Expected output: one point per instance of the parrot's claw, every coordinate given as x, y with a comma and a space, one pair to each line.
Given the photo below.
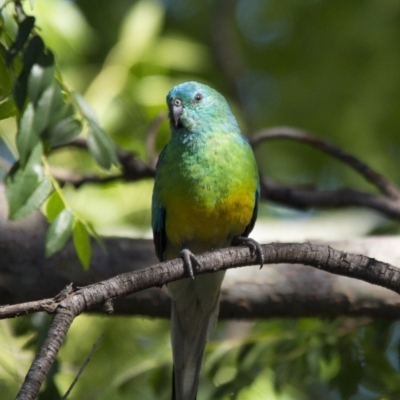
253, 245
188, 260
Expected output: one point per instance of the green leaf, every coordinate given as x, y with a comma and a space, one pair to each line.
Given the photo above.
5, 76
39, 79
66, 110
7, 109
59, 232
24, 183
37, 198
82, 244
85, 107
33, 52
27, 138
96, 236
64, 131
49, 104
24, 30
101, 147
54, 206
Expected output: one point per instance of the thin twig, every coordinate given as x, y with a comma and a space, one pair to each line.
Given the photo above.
88, 358
133, 168
284, 132
47, 305
17, 310
77, 181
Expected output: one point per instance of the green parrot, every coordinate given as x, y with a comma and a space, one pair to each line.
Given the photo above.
205, 197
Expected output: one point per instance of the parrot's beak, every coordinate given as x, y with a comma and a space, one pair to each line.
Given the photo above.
176, 111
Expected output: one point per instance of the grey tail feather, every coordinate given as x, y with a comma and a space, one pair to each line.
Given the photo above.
173, 386
194, 313
189, 352
188, 355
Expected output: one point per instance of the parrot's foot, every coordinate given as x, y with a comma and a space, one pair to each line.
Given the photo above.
253, 245
189, 259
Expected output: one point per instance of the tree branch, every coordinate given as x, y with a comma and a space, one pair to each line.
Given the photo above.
284, 132
319, 256
308, 197
27, 276
133, 168
388, 204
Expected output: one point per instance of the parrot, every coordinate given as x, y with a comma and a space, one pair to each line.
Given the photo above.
205, 197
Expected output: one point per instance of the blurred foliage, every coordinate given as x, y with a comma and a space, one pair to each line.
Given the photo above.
327, 66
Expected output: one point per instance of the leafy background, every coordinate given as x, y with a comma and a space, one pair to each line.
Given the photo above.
328, 66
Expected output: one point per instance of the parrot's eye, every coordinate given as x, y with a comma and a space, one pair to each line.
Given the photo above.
198, 97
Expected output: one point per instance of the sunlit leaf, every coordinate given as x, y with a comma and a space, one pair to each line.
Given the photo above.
59, 232
54, 206
7, 109
85, 107
39, 79
101, 147
96, 236
82, 244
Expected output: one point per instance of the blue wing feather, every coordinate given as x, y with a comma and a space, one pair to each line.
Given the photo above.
250, 226
158, 213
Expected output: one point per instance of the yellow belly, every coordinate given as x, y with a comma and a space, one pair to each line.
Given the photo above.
188, 222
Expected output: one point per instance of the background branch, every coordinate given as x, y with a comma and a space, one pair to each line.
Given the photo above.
284, 132
388, 204
316, 255
27, 276
303, 198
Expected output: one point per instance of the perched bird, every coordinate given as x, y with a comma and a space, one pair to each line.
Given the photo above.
205, 197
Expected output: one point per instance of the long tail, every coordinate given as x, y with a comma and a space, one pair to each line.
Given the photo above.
195, 305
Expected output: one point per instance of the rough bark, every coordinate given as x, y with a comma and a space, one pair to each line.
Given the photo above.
25, 275
319, 256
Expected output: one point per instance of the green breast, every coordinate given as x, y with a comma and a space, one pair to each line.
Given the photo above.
208, 188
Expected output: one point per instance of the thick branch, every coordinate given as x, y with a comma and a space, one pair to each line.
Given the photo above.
319, 256
26, 275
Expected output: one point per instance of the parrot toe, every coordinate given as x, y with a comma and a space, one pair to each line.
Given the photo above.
253, 245
189, 259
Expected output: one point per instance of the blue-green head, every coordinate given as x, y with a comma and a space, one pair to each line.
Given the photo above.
197, 108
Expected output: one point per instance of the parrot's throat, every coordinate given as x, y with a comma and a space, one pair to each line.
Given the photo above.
179, 125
